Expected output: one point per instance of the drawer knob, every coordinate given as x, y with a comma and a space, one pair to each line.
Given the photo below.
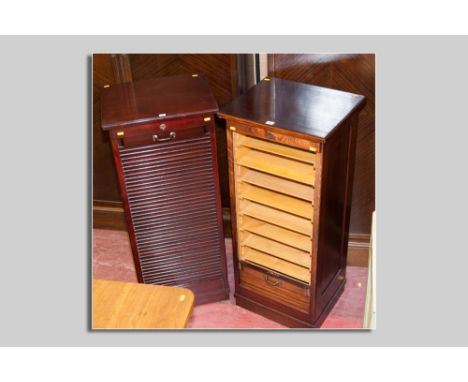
271, 282
270, 135
156, 138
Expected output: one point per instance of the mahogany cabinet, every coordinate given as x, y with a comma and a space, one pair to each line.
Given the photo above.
291, 152
163, 140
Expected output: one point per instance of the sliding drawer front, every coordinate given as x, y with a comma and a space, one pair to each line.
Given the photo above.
276, 165
276, 217
276, 200
275, 248
273, 232
160, 132
278, 265
172, 201
272, 285
274, 183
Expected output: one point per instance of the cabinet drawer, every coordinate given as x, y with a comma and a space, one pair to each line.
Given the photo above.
274, 286
274, 135
161, 132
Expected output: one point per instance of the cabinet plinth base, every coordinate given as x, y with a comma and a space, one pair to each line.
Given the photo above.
213, 296
271, 313
286, 319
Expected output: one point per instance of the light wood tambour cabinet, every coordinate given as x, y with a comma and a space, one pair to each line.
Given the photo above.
163, 139
291, 150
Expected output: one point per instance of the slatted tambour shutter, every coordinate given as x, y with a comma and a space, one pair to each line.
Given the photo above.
169, 186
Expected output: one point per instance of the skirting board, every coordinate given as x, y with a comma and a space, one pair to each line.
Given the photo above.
110, 215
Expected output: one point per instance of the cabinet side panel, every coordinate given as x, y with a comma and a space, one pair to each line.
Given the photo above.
218, 205
334, 203
232, 194
124, 196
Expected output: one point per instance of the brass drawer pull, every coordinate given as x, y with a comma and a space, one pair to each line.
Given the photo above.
274, 283
172, 135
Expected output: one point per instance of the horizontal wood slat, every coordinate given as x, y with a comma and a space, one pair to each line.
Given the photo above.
276, 249
272, 164
277, 149
277, 184
279, 265
276, 200
279, 234
282, 219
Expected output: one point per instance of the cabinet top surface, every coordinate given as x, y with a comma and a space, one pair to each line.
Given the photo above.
306, 109
156, 99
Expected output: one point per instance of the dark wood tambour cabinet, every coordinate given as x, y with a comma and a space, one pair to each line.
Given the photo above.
291, 149
163, 140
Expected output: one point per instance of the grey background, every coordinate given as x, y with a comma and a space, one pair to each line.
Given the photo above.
45, 246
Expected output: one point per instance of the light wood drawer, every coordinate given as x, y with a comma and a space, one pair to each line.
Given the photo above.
274, 286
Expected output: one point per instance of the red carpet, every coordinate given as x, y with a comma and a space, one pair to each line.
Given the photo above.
112, 260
